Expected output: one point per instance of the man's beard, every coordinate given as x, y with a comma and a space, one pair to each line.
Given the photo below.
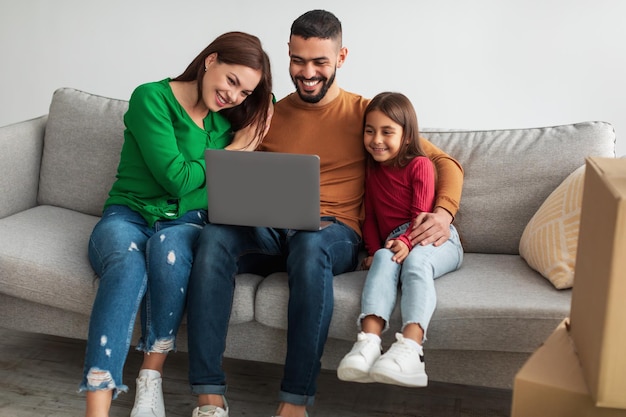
316, 98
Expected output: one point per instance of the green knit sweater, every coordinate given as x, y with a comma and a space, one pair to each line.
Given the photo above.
161, 173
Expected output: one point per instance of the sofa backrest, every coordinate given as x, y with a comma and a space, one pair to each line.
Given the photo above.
509, 173
82, 145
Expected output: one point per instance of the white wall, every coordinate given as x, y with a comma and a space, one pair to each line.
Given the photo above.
465, 64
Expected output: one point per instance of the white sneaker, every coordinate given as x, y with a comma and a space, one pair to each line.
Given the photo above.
211, 411
401, 365
149, 395
355, 366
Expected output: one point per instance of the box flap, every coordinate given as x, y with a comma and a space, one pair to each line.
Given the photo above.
551, 383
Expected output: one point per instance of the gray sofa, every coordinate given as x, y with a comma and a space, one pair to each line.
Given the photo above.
56, 170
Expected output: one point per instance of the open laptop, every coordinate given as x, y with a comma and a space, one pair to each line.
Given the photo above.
264, 189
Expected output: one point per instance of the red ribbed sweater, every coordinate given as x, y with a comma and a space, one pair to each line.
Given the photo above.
394, 196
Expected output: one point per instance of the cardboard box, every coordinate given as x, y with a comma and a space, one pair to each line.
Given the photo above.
598, 311
551, 383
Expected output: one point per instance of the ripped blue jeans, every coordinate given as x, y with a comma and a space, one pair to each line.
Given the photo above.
133, 259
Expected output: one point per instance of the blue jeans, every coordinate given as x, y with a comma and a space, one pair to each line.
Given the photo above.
133, 259
311, 260
416, 275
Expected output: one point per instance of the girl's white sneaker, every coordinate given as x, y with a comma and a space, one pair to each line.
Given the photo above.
401, 365
356, 365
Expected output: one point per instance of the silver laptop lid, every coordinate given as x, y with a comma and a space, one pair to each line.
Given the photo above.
264, 189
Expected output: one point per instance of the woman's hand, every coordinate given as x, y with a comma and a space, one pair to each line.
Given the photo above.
247, 139
270, 114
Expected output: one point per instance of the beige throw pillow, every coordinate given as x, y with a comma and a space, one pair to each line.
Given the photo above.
550, 238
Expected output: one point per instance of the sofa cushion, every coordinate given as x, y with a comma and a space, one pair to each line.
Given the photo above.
493, 302
82, 145
550, 239
43, 258
509, 173
53, 269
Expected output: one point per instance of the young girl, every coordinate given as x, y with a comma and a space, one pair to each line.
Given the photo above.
143, 244
400, 185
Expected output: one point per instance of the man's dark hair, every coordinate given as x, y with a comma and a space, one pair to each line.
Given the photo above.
317, 24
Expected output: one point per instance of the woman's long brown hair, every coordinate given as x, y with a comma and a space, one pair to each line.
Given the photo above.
238, 48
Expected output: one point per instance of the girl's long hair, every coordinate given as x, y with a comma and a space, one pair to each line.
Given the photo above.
398, 108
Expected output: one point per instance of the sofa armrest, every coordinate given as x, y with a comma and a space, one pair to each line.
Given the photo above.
21, 147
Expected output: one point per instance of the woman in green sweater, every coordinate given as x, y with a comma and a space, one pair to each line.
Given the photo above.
142, 248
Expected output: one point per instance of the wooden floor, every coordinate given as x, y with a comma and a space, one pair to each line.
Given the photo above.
39, 376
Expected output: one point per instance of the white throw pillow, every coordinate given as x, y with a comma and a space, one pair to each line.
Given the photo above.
549, 241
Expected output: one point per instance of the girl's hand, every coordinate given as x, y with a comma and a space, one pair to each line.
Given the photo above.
399, 248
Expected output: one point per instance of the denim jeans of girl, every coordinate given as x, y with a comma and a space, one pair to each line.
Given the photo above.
131, 260
311, 261
416, 276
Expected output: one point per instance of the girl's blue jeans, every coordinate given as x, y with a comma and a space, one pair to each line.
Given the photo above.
416, 277
133, 259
